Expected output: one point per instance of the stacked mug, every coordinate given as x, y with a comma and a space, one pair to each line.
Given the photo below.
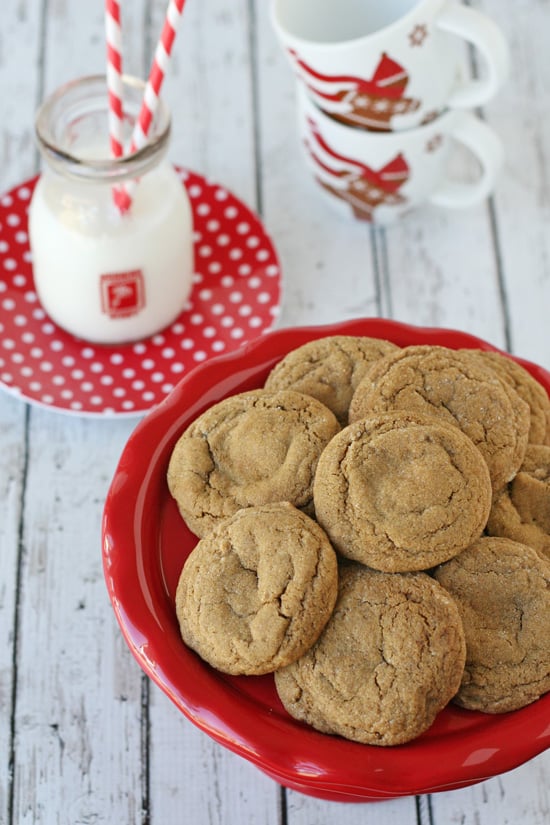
382, 99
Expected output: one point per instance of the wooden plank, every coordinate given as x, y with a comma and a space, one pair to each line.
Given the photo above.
78, 711
328, 265
521, 113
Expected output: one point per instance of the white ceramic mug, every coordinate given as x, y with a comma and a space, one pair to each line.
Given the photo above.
379, 176
389, 64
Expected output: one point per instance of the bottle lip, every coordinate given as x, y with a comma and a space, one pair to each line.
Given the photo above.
90, 93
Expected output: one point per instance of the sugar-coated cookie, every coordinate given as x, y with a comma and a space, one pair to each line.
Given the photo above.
329, 369
502, 589
258, 590
389, 659
401, 491
251, 448
458, 389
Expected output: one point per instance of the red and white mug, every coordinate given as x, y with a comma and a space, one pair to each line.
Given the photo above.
389, 65
380, 176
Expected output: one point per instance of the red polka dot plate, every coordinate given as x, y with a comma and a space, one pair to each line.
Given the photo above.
235, 298
145, 544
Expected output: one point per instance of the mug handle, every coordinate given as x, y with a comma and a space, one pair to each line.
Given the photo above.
483, 33
487, 148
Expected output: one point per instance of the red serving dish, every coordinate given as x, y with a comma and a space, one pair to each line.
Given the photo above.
145, 544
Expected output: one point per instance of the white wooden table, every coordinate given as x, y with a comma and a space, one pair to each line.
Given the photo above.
84, 736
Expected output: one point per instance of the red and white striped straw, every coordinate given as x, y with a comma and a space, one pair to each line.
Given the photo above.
153, 87
114, 77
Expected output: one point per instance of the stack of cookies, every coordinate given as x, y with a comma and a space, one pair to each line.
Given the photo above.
374, 529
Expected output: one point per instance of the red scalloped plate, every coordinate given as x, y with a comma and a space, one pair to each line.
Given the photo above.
145, 544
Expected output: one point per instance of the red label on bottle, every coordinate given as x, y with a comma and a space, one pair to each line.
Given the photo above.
122, 293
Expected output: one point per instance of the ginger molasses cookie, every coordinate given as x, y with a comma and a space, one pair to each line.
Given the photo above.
522, 510
502, 590
251, 448
456, 388
329, 369
258, 590
401, 491
526, 387
389, 659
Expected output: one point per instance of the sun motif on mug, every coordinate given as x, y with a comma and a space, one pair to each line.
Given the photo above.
418, 34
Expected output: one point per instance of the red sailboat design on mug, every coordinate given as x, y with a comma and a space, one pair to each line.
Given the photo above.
356, 183
371, 103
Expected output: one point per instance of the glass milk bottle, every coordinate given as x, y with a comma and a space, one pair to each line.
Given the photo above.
101, 274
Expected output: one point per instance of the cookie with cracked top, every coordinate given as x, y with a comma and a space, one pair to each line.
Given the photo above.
527, 388
502, 590
401, 491
251, 448
522, 510
329, 369
454, 386
256, 593
389, 659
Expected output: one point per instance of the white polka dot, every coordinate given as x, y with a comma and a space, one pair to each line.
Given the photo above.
244, 269
31, 297
245, 310
205, 294
177, 367
96, 400
203, 209
77, 374
88, 352
237, 333
48, 328
158, 340
56, 346
67, 394
148, 364
20, 321
217, 309
86, 386
46, 366
166, 388
199, 355
13, 220
138, 384
157, 377
209, 332
205, 250
37, 352
168, 352
231, 212
227, 321
47, 399
17, 357
264, 297
214, 267
235, 297
119, 392
7, 200
221, 195
218, 346
272, 270
235, 254
58, 380
128, 405
96, 367
213, 225
243, 228
19, 280
223, 240
196, 319
116, 358
4, 246
148, 396
24, 193
140, 349
195, 190
8, 304
10, 264
255, 322
128, 372
227, 280
106, 380
252, 241
68, 361
187, 343
262, 255
21, 237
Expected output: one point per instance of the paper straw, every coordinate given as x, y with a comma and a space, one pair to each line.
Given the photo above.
114, 77
152, 89
115, 89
